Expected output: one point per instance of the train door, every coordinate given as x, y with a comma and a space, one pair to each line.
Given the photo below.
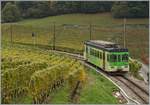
104, 60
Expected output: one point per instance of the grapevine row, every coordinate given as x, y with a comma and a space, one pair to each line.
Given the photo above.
15, 82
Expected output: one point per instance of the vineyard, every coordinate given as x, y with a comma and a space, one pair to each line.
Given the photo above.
37, 76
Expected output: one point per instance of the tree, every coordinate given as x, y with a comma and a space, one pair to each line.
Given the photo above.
120, 11
38, 10
10, 13
24, 6
132, 9
3, 3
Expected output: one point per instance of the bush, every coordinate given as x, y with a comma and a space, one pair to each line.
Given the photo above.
134, 67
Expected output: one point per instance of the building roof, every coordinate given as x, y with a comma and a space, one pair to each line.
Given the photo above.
105, 45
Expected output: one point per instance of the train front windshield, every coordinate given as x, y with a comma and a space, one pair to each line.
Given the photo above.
119, 57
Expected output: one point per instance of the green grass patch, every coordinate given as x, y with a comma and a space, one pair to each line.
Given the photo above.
60, 97
103, 19
23, 100
97, 90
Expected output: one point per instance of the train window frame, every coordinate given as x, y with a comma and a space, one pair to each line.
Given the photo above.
127, 58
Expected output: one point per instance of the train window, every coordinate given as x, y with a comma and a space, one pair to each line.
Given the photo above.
94, 52
113, 58
108, 57
100, 55
90, 51
97, 55
125, 57
86, 49
119, 58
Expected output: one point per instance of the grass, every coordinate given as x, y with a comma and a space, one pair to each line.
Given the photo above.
60, 97
103, 19
97, 90
106, 28
23, 100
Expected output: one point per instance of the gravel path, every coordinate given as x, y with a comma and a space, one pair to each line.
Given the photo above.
143, 72
144, 85
127, 90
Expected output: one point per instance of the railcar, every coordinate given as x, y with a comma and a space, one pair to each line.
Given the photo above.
108, 56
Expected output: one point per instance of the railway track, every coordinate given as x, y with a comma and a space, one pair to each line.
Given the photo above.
138, 93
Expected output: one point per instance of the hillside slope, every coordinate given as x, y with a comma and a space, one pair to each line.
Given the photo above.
104, 27
102, 19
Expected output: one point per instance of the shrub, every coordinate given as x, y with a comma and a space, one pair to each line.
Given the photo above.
134, 67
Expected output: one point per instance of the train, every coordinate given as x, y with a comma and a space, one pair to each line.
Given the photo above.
108, 56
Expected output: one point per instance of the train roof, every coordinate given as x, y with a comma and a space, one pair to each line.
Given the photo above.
105, 45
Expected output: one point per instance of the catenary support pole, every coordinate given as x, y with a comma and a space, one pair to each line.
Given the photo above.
90, 31
54, 38
124, 33
11, 34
